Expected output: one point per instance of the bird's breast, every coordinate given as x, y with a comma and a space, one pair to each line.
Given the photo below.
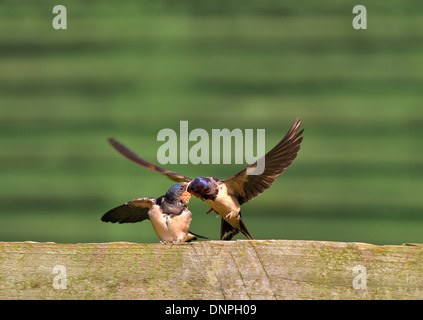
224, 202
170, 227
159, 221
178, 225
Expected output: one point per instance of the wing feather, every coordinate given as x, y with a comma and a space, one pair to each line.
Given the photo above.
247, 187
135, 158
133, 211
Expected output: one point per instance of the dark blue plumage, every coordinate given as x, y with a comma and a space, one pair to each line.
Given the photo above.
206, 187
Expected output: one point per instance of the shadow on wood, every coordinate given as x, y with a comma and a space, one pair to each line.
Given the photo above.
256, 269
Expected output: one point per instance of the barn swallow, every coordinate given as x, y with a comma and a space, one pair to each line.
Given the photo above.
225, 197
168, 214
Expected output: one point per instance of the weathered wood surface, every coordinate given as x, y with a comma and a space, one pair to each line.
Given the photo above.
258, 269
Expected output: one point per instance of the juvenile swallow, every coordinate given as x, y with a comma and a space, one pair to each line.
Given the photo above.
225, 197
168, 214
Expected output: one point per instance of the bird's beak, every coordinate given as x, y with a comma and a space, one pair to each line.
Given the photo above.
185, 196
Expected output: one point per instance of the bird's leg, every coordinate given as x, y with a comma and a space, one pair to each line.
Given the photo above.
177, 241
214, 211
164, 242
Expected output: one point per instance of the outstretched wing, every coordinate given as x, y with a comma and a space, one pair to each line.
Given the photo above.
247, 187
135, 158
133, 211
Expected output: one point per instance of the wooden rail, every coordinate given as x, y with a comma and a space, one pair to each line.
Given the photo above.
256, 269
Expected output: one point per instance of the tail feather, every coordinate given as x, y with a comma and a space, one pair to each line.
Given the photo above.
193, 236
227, 232
244, 229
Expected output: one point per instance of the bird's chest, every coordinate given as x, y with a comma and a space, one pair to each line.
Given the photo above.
159, 220
224, 202
166, 220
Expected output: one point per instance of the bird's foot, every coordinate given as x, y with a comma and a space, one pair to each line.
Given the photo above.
177, 241
229, 215
164, 242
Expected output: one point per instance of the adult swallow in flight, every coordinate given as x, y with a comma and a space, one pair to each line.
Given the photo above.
225, 197
168, 214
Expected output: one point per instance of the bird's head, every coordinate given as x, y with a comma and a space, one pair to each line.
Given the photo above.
205, 188
178, 192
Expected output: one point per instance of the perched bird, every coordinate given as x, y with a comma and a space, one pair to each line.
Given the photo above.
168, 214
225, 197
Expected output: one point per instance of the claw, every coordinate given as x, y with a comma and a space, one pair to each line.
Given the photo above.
229, 215
164, 242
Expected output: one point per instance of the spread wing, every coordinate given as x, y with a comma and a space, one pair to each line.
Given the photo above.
248, 186
135, 158
133, 211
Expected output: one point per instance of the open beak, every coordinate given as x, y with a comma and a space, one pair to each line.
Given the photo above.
185, 196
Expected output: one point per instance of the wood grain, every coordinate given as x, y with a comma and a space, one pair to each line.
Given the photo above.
243, 269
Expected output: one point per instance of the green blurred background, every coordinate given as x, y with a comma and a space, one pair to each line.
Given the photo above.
129, 69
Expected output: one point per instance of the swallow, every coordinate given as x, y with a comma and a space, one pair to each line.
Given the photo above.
168, 214
225, 197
